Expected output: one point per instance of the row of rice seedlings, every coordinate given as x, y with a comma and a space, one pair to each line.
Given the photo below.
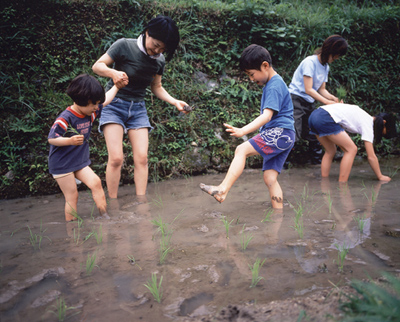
36, 239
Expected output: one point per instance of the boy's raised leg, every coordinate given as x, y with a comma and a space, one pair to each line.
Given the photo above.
220, 192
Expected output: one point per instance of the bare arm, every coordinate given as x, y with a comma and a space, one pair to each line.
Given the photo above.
264, 118
110, 94
63, 141
322, 95
374, 163
159, 91
101, 68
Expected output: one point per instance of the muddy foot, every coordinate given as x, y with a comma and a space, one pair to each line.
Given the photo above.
213, 191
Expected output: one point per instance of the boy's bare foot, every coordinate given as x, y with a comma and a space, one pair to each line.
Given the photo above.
214, 191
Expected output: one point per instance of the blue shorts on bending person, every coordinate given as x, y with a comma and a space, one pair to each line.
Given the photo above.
129, 114
274, 145
321, 123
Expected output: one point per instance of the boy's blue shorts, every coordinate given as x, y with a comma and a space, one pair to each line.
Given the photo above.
130, 115
274, 145
321, 123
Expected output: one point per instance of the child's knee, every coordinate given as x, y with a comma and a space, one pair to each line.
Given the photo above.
116, 162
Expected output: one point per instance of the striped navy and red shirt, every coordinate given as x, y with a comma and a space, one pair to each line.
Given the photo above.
70, 158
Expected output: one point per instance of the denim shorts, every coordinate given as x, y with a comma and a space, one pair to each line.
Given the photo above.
274, 145
130, 115
322, 124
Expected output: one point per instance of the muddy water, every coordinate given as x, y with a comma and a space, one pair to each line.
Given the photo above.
205, 270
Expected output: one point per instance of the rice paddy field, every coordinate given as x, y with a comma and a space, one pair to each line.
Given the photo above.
178, 255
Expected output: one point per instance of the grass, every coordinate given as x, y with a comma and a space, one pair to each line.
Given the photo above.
373, 302
61, 309
90, 263
342, 252
227, 224
245, 239
255, 271
155, 289
36, 239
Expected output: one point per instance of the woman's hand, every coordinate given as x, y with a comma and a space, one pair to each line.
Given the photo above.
384, 178
235, 131
120, 79
180, 105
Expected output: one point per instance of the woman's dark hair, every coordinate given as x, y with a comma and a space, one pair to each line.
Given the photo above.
163, 28
85, 88
379, 124
333, 45
253, 56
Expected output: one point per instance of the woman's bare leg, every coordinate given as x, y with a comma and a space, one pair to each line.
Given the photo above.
140, 145
114, 134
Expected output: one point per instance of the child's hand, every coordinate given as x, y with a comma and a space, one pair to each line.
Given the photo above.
77, 139
235, 131
120, 79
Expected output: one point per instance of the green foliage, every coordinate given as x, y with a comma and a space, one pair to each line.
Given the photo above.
41, 55
374, 302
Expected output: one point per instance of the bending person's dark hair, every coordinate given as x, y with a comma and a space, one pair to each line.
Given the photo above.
85, 88
379, 124
163, 28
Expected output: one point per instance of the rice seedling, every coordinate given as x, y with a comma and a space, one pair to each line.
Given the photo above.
255, 271
227, 224
373, 302
342, 252
155, 289
132, 260
268, 213
75, 214
298, 219
360, 220
36, 239
373, 194
99, 235
61, 309
245, 239
392, 171
329, 201
88, 236
77, 236
90, 263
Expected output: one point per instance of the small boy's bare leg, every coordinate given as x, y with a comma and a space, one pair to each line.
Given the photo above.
275, 190
216, 191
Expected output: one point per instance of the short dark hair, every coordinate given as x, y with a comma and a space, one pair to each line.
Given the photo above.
253, 56
333, 45
163, 28
85, 88
379, 124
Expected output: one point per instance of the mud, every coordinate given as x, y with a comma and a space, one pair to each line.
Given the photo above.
206, 274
